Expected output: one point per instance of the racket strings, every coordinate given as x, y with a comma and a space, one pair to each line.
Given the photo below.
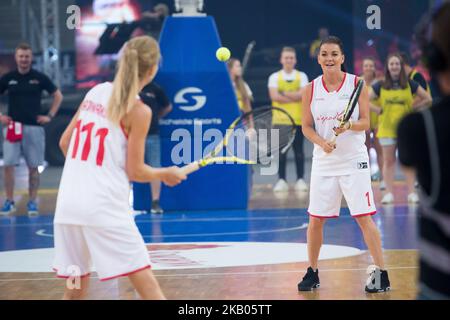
255, 137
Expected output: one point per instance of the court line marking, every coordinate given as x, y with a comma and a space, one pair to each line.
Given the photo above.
257, 188
221, 219
24, 192
303, 226
272, 272
42, 233
224, 273
161, 220
174, 220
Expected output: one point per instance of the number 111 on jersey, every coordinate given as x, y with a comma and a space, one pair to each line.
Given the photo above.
88, 129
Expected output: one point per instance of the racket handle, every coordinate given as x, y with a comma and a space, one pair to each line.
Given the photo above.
189, 168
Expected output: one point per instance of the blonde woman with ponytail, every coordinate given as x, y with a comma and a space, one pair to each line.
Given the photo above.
104, 149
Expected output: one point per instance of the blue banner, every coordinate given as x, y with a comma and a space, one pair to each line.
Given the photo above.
204, 105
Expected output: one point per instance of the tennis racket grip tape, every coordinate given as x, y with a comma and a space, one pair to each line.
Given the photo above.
189, 168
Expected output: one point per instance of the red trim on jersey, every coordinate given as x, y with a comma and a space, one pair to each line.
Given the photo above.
343, 80
123, 130
364, 214
67, 277
330, 217
126, 274
324, 85
312, 93
356, 80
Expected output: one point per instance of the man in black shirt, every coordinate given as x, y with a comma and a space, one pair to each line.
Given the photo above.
423, 140
154, 97
22, 127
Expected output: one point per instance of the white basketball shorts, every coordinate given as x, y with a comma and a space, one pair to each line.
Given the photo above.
114, 252
326, 195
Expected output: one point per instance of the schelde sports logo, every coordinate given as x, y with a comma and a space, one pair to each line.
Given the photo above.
190, 99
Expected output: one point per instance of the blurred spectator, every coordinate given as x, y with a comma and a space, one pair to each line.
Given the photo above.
323, 34
423, 140
154, 97
370, 77
23, 126
152, 21
285, 90
315, 45
396, 97
243, 93
414, 74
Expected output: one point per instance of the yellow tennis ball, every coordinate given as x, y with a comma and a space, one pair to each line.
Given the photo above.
223, 54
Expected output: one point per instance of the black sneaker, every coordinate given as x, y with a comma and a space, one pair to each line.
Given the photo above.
310, 281
156, 208
378, 281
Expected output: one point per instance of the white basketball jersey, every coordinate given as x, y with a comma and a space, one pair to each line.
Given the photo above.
350, 154
94, 188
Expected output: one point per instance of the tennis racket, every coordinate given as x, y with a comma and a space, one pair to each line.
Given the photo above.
348, 111
251, 138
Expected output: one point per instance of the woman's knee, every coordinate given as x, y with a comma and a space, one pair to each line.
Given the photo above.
365, 222
316, 223
389, 160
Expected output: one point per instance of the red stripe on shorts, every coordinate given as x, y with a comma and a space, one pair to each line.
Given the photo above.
364, 214
126, 274
330, 217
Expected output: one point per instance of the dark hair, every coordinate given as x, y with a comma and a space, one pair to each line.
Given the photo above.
405, 58
239, 81
440, 33
388, 83
163, 8
23, 46
432, 37
334, 40
370, 58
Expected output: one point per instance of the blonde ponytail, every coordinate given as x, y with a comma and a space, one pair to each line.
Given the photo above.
138, 57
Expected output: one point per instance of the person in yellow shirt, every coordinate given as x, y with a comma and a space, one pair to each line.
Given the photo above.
315, 45
323, 34
285, 90
243, 93
396, 97
370, 77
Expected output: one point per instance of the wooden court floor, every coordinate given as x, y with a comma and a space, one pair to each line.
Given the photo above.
342, 278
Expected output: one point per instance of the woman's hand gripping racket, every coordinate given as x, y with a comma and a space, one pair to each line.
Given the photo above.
348, 111
251, 138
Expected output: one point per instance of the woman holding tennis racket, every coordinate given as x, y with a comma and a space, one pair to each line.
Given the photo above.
340, 160
104, 148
